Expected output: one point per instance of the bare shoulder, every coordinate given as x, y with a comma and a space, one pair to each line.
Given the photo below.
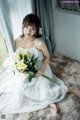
40, 44
18, 41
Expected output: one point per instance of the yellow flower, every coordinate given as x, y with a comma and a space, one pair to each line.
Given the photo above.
21, 65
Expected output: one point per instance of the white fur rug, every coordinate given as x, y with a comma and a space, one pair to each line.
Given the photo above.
69, 108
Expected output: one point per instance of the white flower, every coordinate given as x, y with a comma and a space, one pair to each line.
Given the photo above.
9, 62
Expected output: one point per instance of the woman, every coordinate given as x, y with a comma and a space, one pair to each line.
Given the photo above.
17, 93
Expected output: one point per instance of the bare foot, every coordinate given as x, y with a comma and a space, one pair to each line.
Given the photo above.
53, 106
75, 90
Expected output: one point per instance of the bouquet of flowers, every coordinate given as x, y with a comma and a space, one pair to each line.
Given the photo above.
24, 61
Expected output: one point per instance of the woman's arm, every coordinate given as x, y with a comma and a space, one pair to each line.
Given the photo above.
41, 46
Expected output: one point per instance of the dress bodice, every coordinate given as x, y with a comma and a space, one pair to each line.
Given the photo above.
33, 50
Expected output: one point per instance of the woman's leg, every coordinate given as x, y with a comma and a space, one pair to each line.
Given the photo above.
53, 106
74, 90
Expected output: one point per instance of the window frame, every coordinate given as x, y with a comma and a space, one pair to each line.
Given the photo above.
70, 5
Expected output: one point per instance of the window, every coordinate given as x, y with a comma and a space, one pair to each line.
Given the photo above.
73, 5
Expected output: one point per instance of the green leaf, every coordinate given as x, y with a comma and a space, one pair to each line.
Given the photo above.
32, 58
25, 58
52, 80
34, 61
21, 57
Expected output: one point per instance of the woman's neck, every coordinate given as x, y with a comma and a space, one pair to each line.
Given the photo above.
29, 39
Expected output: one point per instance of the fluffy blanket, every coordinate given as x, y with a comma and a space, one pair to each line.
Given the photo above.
68, 70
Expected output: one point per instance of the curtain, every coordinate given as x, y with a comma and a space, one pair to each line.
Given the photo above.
18, 9
5, 25
44, 10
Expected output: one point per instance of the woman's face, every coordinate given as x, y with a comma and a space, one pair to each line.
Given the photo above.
29, 31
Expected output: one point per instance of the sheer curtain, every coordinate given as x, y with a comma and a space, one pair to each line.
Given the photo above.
18, 9
44, 9
5, 25
11, 14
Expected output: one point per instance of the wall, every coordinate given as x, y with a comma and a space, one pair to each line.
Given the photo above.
67, 32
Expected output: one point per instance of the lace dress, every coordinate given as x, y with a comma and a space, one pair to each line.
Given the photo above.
18, 95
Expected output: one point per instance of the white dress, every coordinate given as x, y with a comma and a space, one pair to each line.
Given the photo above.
18, 95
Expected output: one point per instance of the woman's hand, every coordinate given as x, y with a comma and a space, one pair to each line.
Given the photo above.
40, 72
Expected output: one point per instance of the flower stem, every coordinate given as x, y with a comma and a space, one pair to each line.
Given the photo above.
51, 79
